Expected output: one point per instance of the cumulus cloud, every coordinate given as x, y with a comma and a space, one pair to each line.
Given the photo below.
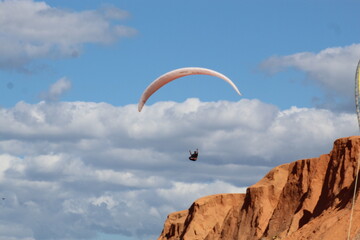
81, 168
333, 69
34, 30
56, 90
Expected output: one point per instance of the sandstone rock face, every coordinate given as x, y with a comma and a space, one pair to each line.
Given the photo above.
305, 199
204, 218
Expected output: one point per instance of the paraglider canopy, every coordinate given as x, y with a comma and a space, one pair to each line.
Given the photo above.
357, 92
175, 74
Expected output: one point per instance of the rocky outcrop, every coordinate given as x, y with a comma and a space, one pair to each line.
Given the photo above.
204, 218
305, 199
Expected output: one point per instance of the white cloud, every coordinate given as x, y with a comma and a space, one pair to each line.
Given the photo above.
109, 201
33, 30
333, 69
184, 194
56, 90
14, 231
82, 168
112, 12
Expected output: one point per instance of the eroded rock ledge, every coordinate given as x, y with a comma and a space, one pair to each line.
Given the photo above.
305, 199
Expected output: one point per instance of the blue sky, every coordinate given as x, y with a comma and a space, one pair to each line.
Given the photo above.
232, 37
74, 146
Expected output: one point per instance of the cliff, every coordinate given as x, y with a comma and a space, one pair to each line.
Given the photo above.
305, 199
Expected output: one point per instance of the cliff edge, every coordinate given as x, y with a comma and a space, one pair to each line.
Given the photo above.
305, 199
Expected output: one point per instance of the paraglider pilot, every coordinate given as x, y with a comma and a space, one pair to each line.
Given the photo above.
193, 156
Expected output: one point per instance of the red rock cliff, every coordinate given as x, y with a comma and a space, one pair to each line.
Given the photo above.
305, 199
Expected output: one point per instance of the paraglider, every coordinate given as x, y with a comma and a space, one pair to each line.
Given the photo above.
178, 73
357, 104
357, 92
194, 156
